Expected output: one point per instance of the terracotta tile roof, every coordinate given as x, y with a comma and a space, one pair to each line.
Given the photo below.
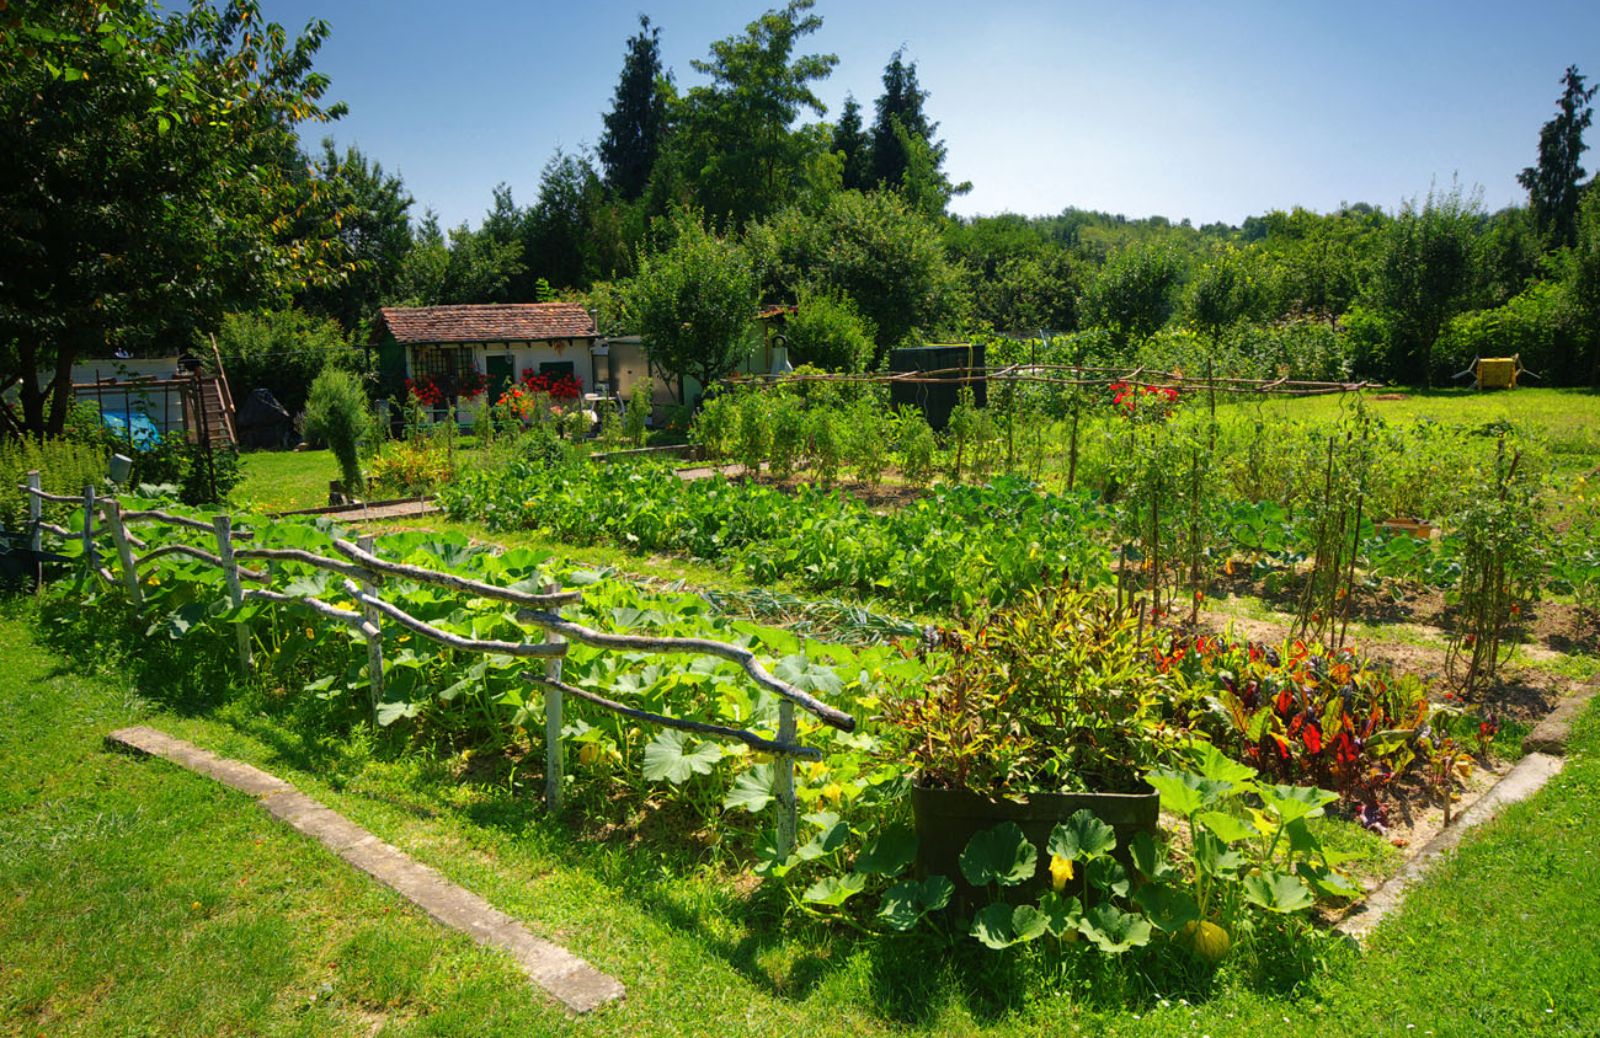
488, 322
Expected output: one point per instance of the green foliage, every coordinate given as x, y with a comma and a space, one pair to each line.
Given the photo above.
1134, 293
336, 414
130, 222
637, 121
65, 466
636, 419
735, 131
371, 213
1423, 278
1555, 182
874, 249
1054, 693
694, 303
826, 331
282, 351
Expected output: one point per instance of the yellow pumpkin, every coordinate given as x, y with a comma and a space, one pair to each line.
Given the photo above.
588, 753
1211, 942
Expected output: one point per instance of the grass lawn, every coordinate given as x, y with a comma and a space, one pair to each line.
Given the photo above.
283, 481
142, 899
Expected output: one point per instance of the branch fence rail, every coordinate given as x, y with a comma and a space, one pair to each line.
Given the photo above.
364, 572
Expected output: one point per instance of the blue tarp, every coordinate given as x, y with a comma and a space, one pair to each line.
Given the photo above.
145, 434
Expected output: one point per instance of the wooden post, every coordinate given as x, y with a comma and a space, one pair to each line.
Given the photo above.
783, 779
88, 524
35, 512
112, 510
223, 525
374, 641
552, 723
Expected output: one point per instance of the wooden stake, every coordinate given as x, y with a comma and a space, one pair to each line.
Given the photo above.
88, 524
111, 509
230, 570
783, 780
35, 512
374, 642
552, 722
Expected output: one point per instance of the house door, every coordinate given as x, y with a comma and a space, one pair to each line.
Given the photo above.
499, 369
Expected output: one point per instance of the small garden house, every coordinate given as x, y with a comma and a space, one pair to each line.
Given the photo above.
487, 345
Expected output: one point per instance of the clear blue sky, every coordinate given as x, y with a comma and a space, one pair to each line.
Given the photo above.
1211, 111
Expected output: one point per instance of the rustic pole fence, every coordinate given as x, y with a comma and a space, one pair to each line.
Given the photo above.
365, 572
374, 638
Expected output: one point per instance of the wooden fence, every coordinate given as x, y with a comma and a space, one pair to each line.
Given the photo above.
364, 572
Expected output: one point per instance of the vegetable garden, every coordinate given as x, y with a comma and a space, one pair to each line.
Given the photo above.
1199, 801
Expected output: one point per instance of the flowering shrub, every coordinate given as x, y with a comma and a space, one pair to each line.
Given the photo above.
1152, 403
434, 391
425, 391
1300, 713
560, 387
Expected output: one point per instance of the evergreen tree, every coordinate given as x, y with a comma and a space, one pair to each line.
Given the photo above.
1553, 185
638, 118
850, 142
900, 106
557, 227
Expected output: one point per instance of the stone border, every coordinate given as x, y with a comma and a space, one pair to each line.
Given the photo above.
1521, 782
570, 980
1551, 733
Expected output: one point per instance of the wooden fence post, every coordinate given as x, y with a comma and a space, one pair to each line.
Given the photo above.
223, 525
552, 723
35, 512
374, 641
783, 779
111, 508
88, 524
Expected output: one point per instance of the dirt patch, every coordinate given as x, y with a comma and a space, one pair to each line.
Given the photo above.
1390, 396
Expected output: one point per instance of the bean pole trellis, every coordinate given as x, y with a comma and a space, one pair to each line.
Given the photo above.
364, 572
1067, 375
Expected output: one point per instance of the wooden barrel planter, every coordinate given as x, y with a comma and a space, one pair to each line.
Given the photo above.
947, 819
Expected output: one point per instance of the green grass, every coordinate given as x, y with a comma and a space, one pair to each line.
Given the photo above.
284, 481
104, 858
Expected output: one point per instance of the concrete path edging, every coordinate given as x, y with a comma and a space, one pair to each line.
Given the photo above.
570, 980
1525, 778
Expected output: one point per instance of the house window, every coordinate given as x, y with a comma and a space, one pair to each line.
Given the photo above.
557, 368
442, 364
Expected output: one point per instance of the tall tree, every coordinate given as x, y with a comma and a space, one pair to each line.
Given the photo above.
1583, 280
745, 157
1424, 276
1553, 185
900, 112
371, 211
126, 138
851, 144
558, 226
637, 122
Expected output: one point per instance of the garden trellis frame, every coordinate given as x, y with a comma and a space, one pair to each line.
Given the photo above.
1069, 375
364, 572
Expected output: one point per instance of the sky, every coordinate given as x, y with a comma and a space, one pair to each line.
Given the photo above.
1205, 111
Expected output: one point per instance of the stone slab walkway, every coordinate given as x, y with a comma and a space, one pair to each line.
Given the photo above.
570, 980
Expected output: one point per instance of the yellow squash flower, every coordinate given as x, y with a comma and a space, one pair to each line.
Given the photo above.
1060, 871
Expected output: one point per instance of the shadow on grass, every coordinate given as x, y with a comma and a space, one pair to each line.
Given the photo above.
910, 978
